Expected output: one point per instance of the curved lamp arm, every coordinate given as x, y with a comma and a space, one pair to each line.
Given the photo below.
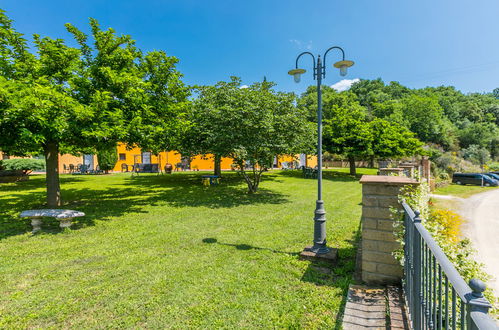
309, 53
324, 59
314, 67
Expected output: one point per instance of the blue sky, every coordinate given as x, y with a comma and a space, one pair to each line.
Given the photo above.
417, 43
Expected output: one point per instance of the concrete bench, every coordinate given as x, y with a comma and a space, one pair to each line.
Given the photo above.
64, 216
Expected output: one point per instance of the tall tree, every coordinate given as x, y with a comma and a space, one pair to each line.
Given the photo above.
250, 125
480, 134
268, 125
38, 111
424, 116
346, 131
66, 99
391, 140
369, 92
209, 132
37, 119
348, 134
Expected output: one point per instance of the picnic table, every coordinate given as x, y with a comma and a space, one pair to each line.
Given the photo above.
146, 168
209, 180
64, 216
81, 169
309, 172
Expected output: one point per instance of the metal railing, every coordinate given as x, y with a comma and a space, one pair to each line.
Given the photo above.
436, 295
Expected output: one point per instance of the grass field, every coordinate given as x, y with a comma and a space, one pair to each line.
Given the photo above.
461, 191
164, 251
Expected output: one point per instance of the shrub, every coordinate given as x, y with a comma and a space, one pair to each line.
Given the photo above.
107, 158
446, 223
494, 166
450, 162
22, 164
327, 157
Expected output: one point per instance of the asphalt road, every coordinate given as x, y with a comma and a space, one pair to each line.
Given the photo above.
482, 227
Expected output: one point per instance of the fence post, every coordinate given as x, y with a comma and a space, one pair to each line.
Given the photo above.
379, 198
417, 292
407, 260
477, 303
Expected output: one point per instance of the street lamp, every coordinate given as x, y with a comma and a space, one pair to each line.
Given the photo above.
320, 244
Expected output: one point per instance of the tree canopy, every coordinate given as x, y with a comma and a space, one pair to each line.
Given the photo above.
74, 99
442, 116
352, 131
251, 125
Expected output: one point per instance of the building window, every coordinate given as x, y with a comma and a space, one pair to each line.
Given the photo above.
146, 158
122, 156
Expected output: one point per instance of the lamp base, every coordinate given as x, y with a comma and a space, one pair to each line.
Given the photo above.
308, 254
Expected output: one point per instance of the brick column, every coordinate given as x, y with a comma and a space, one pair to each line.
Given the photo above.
379, 194
426, 164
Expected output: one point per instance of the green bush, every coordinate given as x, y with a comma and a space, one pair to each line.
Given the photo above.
107, 158
444, 176
450, 162
493, 166
23, 164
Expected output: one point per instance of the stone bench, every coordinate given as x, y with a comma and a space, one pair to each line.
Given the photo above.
64, 216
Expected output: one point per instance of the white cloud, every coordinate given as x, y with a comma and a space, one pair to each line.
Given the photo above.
344, 84
296, 42
244, 86
301, 44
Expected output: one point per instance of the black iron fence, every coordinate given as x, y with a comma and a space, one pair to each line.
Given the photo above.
437, 296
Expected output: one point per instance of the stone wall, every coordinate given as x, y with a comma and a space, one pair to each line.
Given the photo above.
379, 195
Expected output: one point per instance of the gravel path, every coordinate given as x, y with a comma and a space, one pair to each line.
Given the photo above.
481, 212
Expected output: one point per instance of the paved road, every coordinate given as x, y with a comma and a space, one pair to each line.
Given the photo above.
482, 228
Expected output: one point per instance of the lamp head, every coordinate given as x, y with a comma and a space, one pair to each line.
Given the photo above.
343, 66
296, 73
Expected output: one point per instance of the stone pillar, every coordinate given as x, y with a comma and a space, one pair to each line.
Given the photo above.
397, 171
379, 195
408, 170
426, 164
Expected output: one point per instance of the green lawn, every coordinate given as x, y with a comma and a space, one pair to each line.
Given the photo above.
163, 251
463, 191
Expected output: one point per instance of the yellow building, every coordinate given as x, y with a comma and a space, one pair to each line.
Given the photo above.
127, 157
130, 156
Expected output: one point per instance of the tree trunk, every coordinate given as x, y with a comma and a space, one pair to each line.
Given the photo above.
371, 162
218, 165
51, 150
353, 170
253, 185
251, 188
252, 180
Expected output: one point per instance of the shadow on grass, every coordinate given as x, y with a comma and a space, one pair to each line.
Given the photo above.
228, 179
245, 247
331, 175
337, 275
35, 181
131, 195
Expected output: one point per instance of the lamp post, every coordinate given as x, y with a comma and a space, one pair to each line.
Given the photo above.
319, 67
